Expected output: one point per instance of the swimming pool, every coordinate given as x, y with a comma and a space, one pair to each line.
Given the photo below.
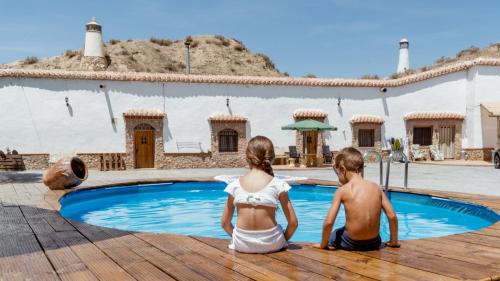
194, 208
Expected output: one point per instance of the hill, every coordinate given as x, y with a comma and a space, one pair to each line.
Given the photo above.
214, 55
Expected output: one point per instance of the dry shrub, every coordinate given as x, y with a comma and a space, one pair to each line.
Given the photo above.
161, 42
170, 67
472, 50
286, 74
30, 60
223, 40
195, 44
268, 62
124, 52
310, 75
370, 76
108, 59
71, 53
239, 48
114, 41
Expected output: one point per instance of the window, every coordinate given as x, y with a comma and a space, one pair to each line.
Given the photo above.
228, 141
366, 137
422, 136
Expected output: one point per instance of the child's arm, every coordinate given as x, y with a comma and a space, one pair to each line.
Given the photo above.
330, 219
291, 218
227, 216
393, 221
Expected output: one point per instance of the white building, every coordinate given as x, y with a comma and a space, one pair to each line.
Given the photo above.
169, 120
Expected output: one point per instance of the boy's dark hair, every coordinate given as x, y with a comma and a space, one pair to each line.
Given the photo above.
350, 158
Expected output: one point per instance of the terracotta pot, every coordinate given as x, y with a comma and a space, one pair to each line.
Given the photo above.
66, 173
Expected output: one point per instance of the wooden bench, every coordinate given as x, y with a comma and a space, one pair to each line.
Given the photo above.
188, 145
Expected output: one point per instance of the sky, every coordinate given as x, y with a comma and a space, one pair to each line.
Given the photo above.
327, 38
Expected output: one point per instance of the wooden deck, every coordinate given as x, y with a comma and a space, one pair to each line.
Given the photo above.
36, 243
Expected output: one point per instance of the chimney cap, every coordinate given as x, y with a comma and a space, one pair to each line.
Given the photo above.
93, 22
188, 40
404, 40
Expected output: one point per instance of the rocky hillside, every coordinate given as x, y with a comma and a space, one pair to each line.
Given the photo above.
492, 51
214, 55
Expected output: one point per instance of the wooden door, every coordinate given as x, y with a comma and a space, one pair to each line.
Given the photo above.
447, 141
144, 149
311, 142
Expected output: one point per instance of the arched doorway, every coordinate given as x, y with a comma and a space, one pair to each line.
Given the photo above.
144, 146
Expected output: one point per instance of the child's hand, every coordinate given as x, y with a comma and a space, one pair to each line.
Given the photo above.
393, 244
318, 246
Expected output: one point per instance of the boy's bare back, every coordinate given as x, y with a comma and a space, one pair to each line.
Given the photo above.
362, 204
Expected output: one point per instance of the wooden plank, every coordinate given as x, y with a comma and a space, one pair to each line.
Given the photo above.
95, 260
366, 266
473, 238
160, 259
22, 257
419, 259
211, 269
134, 264
288, 263
257, 267
66, 263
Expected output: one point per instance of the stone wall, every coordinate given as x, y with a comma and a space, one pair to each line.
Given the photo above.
377, 136
93, 160
94, 63
229, 159
299, 137
130, 124
436, 124
187, 160
479, 154
36, 161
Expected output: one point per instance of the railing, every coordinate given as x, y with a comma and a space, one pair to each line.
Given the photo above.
379, 159
386, 187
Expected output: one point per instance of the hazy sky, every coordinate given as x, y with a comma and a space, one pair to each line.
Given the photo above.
328, 38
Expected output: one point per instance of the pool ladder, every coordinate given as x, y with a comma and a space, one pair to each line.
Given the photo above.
381, 168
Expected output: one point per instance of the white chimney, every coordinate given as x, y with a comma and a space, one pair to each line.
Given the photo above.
93, 54
404, 57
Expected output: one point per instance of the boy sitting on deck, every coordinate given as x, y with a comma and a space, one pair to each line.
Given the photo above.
363, 201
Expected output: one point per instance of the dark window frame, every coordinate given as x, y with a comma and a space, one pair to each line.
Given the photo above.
362, 137
228, 140
422, 135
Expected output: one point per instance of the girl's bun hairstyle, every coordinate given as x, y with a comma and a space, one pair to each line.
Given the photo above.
260, 154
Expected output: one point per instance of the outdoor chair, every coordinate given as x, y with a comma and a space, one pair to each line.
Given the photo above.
435, 153
327, 154
416, 153
281, 157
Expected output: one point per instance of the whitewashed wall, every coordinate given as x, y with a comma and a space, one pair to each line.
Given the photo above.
35, 118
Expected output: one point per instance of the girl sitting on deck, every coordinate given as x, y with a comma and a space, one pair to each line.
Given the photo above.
256, 196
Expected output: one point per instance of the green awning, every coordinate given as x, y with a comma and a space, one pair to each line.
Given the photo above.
309, 125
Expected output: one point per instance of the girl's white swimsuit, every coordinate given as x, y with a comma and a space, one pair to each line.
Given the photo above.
258, 241
267, 196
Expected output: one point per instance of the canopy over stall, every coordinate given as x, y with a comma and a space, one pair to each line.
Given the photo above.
308, 125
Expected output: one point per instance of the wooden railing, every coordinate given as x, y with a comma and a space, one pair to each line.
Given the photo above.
111, 161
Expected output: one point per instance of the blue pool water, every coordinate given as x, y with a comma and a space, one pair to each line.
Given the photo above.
194, 208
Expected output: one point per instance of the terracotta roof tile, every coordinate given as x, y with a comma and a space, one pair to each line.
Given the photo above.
143, 113
221, 117
434, 115
252, 80
309, 113
367, 119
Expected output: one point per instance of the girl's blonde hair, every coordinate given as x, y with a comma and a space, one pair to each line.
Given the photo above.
260, 154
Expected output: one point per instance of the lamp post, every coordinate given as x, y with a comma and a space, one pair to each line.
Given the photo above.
187, 43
